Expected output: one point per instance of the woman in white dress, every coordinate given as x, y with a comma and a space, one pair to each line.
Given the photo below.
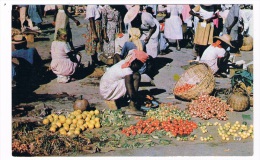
173, 24
123, 78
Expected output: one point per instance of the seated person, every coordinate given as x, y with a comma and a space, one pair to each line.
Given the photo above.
25, 61
122, 79
217, 54
64, 61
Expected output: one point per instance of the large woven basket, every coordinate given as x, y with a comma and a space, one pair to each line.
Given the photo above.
199, 75
247, 44
239, 100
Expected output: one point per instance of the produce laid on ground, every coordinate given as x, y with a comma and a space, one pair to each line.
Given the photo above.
103, 131
75, 122
207, 107
175, 127
166, 111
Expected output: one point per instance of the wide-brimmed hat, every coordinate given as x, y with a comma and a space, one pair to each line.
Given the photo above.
225, 38
18, 39
131, 14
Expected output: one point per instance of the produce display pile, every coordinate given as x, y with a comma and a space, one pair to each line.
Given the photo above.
103, 131
183, 88
168, 111
75, 122
207, 107
175, 127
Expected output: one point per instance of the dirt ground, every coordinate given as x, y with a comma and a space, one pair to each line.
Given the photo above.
167, 66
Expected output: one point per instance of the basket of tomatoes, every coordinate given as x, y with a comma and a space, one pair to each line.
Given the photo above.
196, 80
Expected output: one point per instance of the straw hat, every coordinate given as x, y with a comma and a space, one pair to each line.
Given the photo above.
131, 14
18, 39
225, 38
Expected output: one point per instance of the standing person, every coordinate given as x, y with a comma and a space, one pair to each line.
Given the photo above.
205, 27
93, 45
111, 22
122, 79
149, 27
61, 20
35, 14
232, 24
64, 61
173, 24
217, 54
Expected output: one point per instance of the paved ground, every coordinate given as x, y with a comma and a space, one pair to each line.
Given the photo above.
169, 65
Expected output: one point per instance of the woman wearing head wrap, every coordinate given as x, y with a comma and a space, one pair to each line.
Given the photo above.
123, 78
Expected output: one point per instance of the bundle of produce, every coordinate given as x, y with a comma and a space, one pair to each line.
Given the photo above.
206, 107
198, 76
115, 118
175, 127
75, 122
166, 111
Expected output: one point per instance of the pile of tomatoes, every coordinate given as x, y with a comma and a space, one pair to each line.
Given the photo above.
183, 88
175, 127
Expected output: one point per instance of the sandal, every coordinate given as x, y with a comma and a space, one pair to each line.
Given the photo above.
178, 48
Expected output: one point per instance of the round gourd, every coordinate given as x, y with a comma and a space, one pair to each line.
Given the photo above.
81, 104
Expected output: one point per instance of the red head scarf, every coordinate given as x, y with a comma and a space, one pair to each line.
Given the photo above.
134, 54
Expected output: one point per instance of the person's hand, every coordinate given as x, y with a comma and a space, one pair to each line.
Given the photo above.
96, 39
106, 38
77, 22
228, 30
146, 40
208, 20
53, 23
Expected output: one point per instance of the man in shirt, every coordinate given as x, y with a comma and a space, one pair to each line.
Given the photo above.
217, 54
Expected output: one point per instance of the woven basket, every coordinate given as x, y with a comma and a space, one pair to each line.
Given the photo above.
199, 75
247, 44
239, 99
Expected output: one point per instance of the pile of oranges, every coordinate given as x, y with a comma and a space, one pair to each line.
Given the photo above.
74, 123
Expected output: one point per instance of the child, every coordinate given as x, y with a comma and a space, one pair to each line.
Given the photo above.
64, 61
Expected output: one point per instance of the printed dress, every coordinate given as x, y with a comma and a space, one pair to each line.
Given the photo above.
111, 20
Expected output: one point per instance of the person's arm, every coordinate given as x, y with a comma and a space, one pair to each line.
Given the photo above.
232, 25
69, 15
236, 10
93, 28
151, 31
120, 24
130, 87
104, 24
196, 9
55, 14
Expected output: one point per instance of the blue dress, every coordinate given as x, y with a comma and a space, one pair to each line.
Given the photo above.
34, 14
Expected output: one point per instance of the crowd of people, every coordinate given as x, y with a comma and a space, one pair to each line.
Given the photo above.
133, 36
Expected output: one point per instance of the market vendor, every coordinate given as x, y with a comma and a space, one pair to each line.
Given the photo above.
123, 78
26, 62
217, 54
